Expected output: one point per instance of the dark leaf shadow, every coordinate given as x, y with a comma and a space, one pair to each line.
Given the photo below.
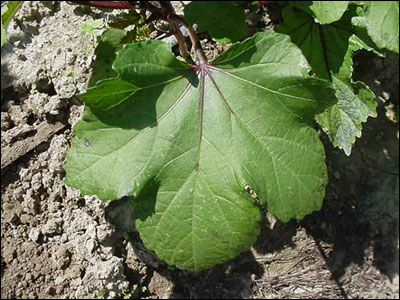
231, 280
361, 210
275, 239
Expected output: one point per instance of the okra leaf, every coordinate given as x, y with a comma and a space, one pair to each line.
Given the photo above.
3, 35
185, 142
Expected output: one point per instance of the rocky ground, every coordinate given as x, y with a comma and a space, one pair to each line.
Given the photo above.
57, 244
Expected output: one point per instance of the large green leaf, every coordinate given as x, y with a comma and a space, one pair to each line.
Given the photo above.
185, 142
382, 22
329, 49
7, 13
224, 20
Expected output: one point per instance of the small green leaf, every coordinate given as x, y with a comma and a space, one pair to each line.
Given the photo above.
92, 26
343, 121
8, 11
186, 141
224, 20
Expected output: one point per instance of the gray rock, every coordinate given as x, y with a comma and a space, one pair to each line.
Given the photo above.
6, 121
36, 182
52, 227
103, 275
8, 254
34, 234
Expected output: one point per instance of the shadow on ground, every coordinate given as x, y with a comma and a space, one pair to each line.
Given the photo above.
360, 217
361, 209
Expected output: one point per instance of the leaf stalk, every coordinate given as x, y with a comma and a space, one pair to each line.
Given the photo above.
166, 13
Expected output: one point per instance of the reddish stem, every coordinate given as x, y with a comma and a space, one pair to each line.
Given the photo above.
264, 3
174, 18
109, 4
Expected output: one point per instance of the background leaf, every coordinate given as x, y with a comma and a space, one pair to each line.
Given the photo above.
105, 52
328, 11
125, 19
185, 143
224, 20
325, 12
382, 22
343, 122
329, 49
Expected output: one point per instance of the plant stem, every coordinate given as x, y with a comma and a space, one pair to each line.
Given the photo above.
175, 28
109, 4
196, 44
171, 18
167, 14
183, 49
